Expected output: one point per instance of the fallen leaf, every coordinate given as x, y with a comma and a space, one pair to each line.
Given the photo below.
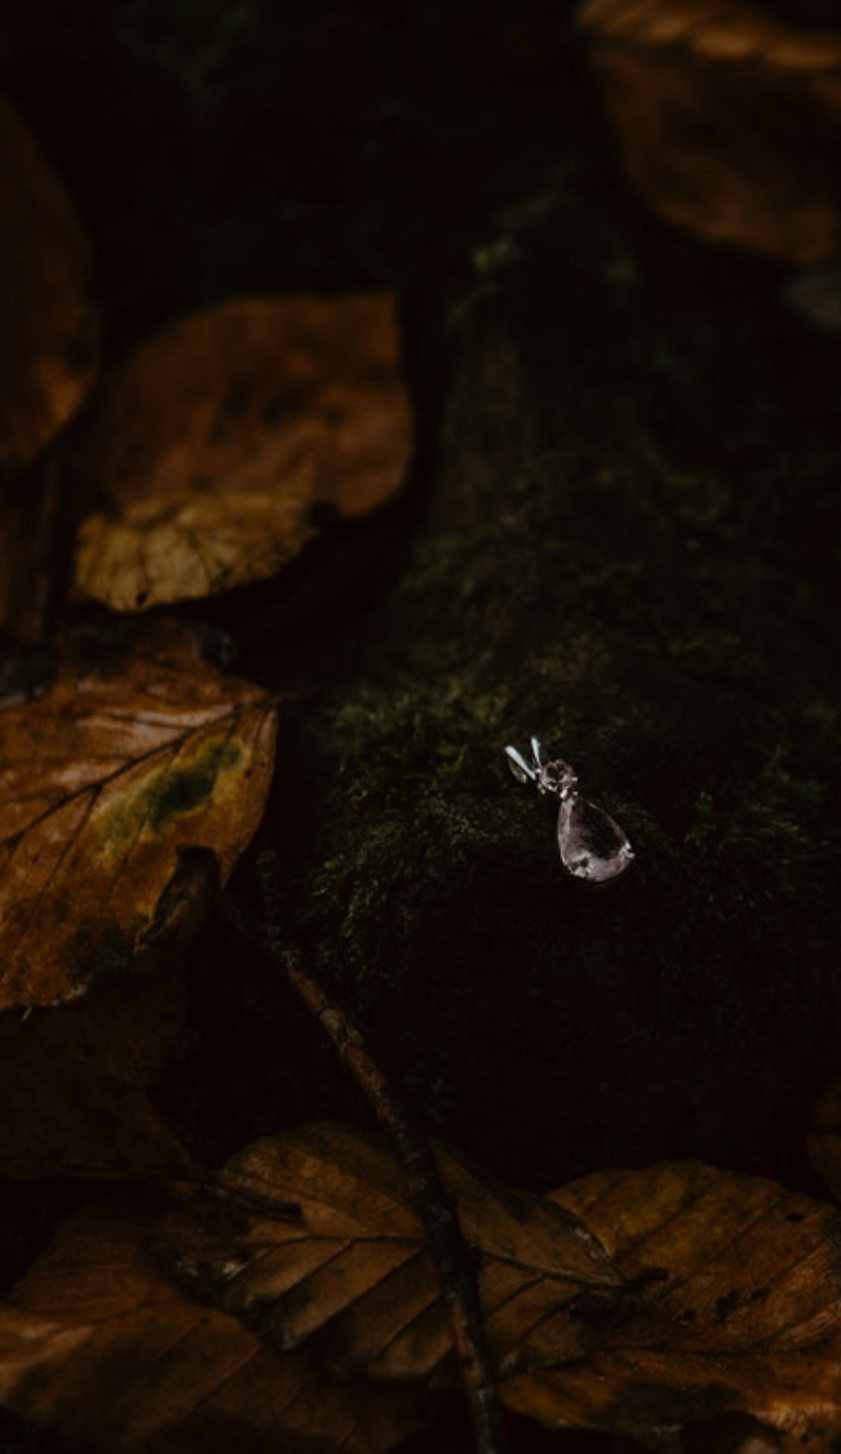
654, 1299
128, 790
127, 1026
99, 1345
221, 447
629, 1302
729, 120
351, 1270
63, 1115
72, 1081
47, 323
738, 1307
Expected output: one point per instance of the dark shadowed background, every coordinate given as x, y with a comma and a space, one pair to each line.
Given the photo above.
620, 532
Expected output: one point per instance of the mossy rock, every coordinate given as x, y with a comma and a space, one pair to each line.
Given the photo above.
628, 550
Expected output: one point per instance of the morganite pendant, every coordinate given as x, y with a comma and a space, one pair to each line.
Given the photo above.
592, 845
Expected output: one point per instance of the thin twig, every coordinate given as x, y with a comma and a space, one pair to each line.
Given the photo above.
437, 1209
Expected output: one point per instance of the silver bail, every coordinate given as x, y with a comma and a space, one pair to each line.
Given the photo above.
539, 753
523, 771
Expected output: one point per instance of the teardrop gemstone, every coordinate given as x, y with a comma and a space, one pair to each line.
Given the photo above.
593, 847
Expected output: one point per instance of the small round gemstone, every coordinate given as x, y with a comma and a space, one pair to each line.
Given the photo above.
557, 777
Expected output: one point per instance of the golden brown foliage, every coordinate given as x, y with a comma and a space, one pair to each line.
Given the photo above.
634, 1302
99, 1345
213, 448
295, 1295
352, 1265
729, 121
129, 789
738, 1308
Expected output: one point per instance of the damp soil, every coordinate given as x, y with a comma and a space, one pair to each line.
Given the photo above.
620, 533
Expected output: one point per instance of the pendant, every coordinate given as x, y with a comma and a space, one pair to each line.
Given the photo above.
592, 845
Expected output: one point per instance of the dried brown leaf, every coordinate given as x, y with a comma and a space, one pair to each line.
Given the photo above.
219, 449
729, 121
47, 324
127, 791
127, 1026
72, 1080
63, 1115
738, 1307
99, 1345
631, 1302
351, 1269
657, 1298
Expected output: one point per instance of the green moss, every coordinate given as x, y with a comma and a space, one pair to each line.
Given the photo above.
393, 741
620, 559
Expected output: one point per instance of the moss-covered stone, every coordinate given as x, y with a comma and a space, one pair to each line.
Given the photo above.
629, 550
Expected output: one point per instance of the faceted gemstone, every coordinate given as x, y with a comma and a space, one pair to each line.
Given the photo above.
556, 777
593, 846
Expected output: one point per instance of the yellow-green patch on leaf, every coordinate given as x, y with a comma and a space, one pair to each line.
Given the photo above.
128, 792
